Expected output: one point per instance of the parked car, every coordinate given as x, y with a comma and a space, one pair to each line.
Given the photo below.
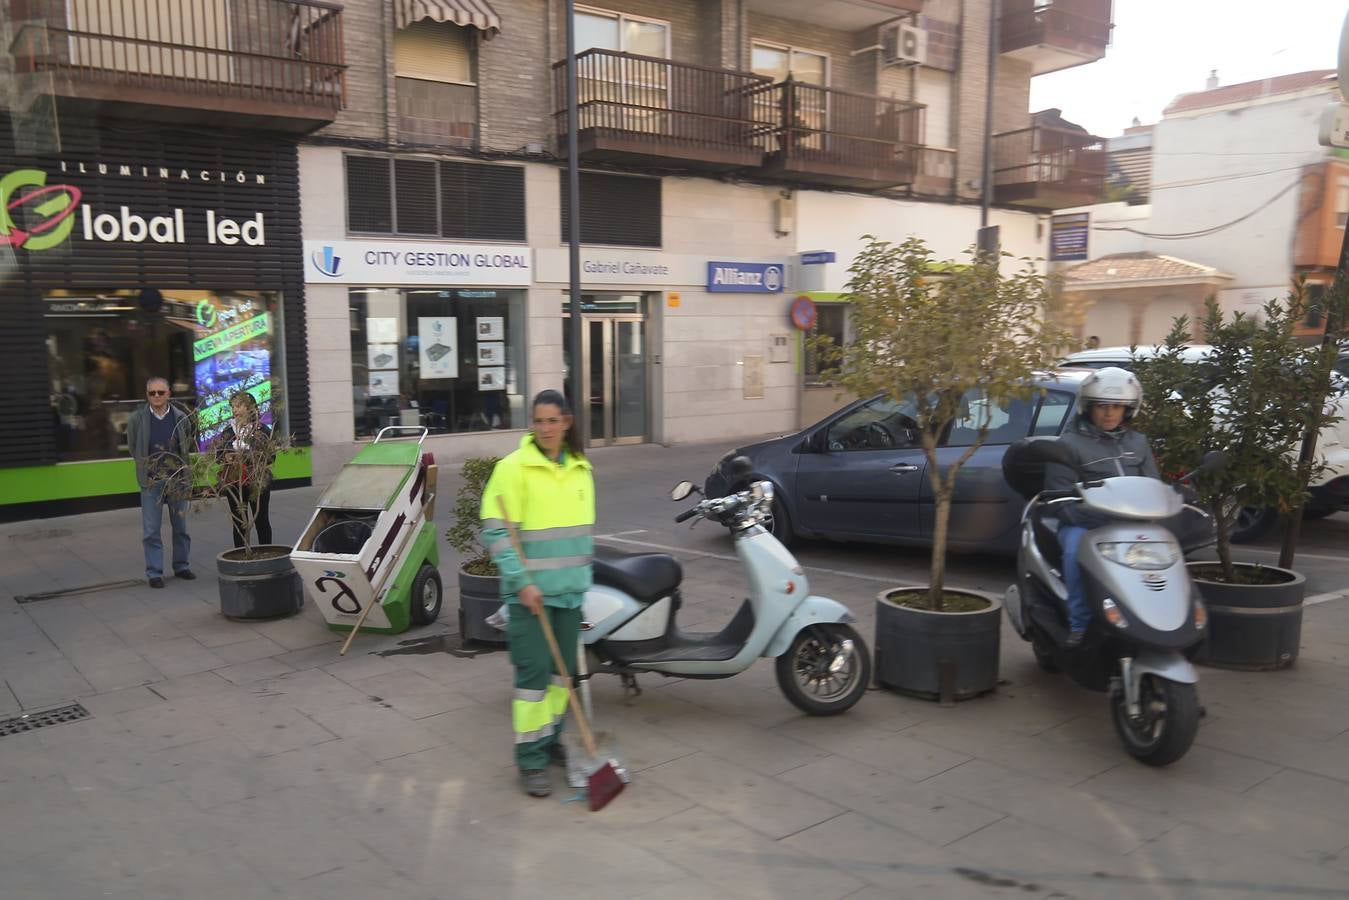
860, 474
1329, 492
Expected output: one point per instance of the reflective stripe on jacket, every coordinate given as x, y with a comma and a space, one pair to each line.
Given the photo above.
553, 506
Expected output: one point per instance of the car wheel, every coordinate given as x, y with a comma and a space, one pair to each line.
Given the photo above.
779, 524
1247, 524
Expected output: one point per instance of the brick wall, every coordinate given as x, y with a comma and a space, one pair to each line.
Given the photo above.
366, 29
515, 77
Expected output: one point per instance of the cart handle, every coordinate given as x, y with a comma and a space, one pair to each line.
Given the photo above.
421, 437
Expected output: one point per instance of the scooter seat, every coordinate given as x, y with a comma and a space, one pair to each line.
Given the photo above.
643, 576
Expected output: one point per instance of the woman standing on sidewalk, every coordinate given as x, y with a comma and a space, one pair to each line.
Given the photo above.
245, 450
548, 490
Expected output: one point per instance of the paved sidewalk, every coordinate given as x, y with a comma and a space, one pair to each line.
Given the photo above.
230, 760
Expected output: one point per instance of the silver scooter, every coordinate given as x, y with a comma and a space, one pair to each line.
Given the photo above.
1145, 610
629, 617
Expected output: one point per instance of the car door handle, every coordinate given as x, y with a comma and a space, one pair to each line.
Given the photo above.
903, 467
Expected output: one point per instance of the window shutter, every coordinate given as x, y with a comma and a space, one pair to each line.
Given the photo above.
369, 194
616, 209
415, 196
481, 202
434, 51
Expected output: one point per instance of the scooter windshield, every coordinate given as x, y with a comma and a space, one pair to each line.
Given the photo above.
1132, 497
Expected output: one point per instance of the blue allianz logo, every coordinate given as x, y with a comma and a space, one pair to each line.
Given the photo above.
327, 262
744, 277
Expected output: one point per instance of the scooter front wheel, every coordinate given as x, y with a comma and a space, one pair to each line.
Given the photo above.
1167, 722
826, 670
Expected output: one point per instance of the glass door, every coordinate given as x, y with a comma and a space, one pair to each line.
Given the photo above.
614, 359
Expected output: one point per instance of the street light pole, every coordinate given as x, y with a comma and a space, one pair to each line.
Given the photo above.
580, 400
988, 237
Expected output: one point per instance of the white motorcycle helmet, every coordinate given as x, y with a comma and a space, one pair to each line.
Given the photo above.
1111, 385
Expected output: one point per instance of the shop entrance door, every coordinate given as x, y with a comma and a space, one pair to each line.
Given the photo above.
614, 360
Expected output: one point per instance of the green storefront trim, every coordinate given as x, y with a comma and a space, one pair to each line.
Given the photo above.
105, 477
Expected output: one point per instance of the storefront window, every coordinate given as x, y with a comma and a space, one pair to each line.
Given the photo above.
102, 347
451, 360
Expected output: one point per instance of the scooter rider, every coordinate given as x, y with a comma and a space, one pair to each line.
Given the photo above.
1105, 446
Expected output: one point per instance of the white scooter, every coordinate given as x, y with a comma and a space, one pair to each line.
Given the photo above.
629, 616
1145, 610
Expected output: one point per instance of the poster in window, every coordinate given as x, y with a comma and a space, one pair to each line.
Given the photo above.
382, 356
491, 328
384, 384
437, 346
231, 352
493, 379
491, 354
381, 330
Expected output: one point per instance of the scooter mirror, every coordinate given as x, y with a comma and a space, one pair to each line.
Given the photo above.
1212, 461
681, 490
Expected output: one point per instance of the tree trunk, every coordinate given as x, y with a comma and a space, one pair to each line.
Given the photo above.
1224, 538
938, 571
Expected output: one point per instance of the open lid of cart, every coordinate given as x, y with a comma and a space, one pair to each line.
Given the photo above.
374, 477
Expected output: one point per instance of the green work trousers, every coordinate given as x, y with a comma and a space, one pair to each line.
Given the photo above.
539, 704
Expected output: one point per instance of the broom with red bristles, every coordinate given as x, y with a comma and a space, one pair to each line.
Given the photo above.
603, 783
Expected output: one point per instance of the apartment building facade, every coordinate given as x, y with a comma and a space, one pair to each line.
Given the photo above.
357, 210
733, 155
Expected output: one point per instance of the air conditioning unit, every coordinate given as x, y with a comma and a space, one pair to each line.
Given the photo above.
903, 44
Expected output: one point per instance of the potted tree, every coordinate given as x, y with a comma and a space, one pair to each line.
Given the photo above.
1249, 399
479, 582
239, 450
953, 342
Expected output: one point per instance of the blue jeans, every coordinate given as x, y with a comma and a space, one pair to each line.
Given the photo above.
152, 520
1079, 613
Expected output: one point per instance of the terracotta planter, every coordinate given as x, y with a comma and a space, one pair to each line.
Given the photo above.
479, 597
938, 655
1251, 626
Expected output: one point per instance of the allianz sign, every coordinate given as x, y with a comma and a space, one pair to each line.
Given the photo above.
744, 277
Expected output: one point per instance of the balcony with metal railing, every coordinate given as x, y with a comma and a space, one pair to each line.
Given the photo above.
1047, 168
829, 136
266, 63
650, 111
1055, 34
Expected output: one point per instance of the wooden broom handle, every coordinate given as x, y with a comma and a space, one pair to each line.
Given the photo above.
587, 738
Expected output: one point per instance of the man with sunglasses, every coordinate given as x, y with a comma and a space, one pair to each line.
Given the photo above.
159, 436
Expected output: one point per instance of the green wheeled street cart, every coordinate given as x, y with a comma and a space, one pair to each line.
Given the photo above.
369, 556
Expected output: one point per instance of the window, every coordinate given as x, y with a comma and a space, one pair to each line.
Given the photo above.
1314, 296
1007, 421
1342, 203
604, 30
780, 62
102, 347
1055, 409
436, 86
617, 92
830, 319
882, 424
452, 360
408, 195
623, 210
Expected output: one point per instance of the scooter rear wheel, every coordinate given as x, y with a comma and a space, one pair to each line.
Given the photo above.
820, 675
1167, 724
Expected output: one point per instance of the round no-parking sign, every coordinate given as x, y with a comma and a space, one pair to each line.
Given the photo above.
803, 313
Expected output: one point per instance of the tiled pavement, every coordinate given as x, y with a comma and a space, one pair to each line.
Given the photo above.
230, 760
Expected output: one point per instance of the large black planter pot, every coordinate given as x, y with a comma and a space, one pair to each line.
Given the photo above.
1252, 626
938, 655
479, 597
266, 588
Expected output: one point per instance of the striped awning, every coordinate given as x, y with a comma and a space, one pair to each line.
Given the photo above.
467, 13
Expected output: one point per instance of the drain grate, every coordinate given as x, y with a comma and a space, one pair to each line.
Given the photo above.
33, 721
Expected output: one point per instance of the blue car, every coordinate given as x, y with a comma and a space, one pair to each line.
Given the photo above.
861, 474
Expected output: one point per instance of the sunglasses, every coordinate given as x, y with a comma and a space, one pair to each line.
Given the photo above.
157, 393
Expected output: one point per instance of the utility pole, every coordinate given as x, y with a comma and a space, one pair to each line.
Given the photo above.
987, 242
580, 399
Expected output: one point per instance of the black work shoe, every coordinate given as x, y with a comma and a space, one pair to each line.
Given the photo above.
156, 582
1075, 639
535, 782
186, 575
557, 755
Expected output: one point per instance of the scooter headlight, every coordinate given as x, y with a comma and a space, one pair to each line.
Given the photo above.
1140, 554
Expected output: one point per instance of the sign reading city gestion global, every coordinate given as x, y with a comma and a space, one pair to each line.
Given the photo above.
409, 262
744, 277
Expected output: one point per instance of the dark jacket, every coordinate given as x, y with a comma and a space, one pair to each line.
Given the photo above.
259, 440
183, 444
1099, 454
